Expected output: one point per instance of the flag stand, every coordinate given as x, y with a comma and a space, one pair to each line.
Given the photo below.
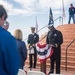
43, 67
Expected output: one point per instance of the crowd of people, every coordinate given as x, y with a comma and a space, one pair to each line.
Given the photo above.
13, 51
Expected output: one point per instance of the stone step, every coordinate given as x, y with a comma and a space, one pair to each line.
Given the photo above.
68, 72
69, 62
69, 54
63, 62
72, 68
69, 57
69, 50
68, 32
67, 37
66, 26
69, 67
67, 29
64, 51
67, 41
65, 45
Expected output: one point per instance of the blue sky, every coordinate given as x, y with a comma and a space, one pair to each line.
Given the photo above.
22, 13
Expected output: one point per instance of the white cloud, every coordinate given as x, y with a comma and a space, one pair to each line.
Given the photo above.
39, 6
15, 11
35, 6
26, 3
6, 4
20, 12
49, 3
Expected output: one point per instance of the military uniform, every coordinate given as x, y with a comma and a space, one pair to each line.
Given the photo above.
55, 38
32, 40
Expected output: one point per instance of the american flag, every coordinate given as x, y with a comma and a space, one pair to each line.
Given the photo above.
44, 52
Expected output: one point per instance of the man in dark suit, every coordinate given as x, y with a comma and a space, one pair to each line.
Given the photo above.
33, 38
54, 39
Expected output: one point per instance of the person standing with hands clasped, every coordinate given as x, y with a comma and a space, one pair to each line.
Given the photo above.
9, 57
22, 50
33, 38
54, 39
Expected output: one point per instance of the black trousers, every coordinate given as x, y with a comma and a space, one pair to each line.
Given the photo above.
33, 58
56, 57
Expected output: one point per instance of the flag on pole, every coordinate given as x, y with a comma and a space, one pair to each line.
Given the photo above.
51, 17
63, 10
36, 25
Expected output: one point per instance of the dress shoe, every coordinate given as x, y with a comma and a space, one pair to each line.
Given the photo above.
50, 72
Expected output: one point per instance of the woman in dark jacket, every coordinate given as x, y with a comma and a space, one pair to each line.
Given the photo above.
21, 47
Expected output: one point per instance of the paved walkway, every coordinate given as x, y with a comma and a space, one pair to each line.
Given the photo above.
62, 72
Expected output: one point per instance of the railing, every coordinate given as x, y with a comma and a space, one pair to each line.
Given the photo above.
66, 53
47, 25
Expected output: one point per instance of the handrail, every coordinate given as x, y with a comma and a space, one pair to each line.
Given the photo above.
47, 25
66, 53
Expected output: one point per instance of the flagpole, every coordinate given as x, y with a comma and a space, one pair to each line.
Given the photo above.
60, 19
62, 12
36, 25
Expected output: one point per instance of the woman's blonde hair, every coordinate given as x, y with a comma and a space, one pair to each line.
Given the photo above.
18, 34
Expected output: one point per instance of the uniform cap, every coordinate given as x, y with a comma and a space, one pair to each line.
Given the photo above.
32, 27
50, 25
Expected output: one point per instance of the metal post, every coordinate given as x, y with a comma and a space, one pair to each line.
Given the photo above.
62, 20
66, 61
43, 67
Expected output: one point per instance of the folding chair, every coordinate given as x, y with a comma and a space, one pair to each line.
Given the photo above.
56, 74
21, 72
35, 73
